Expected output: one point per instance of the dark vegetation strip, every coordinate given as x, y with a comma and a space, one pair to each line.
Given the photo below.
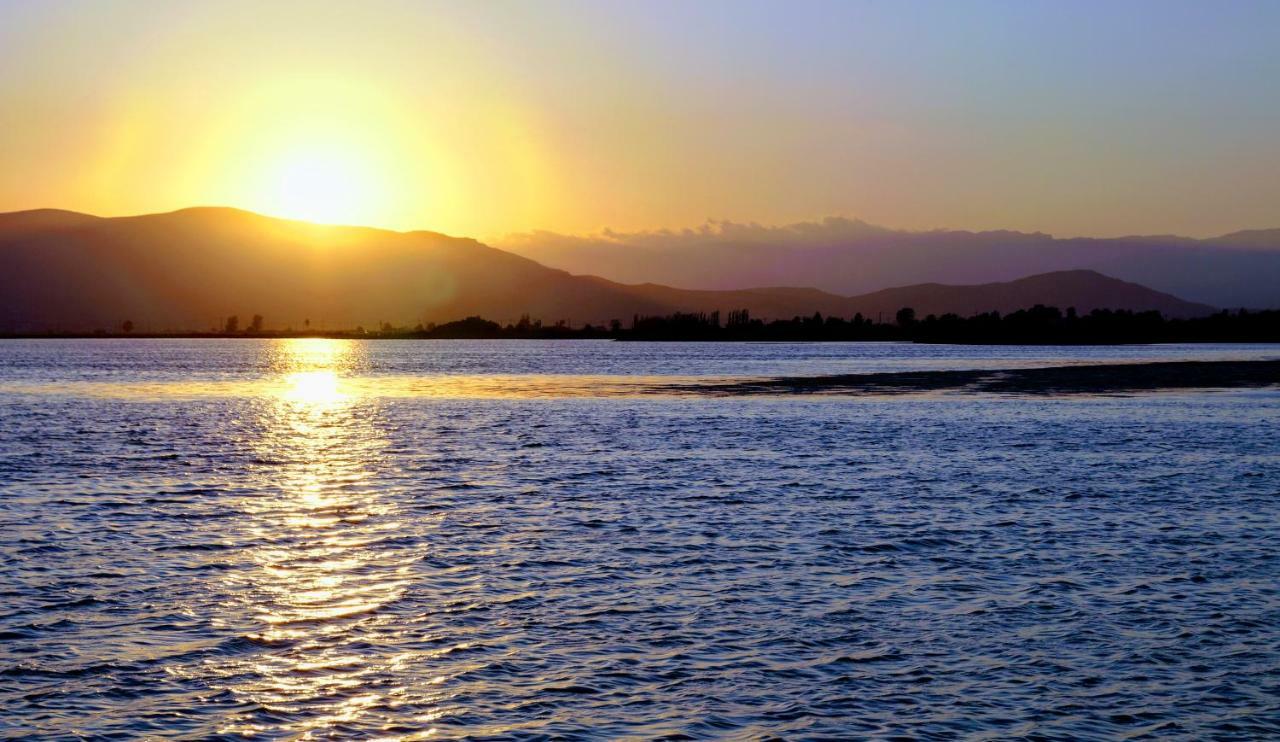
1094, 379
1038, 325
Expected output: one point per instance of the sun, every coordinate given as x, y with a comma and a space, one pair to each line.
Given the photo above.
327, 149
327, 183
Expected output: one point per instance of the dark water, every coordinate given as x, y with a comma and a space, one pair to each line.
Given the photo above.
398, 540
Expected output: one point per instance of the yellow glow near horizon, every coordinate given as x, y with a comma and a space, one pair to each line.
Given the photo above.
339, 151
357, 122
329, 184
327, 151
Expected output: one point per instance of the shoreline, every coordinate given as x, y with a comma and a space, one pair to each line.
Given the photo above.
1081, 379
578, 335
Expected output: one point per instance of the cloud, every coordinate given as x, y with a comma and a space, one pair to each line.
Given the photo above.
830, 230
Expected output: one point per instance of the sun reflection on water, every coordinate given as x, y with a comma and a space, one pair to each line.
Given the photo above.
323, 562
313, 389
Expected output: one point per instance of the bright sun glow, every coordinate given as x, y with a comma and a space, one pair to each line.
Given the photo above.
329, 184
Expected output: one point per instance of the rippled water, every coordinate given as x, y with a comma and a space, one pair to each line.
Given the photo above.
433, 539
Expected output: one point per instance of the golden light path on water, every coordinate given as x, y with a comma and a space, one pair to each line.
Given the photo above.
319, 384
321, 568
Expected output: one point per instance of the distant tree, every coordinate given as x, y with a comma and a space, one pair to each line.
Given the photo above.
471, 327
906, 317
232, 325
255, 326
307, 323
127, 326
615, 326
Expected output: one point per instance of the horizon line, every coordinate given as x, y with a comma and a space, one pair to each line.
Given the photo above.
610, 234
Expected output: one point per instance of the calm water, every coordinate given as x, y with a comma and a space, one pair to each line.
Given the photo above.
502, 539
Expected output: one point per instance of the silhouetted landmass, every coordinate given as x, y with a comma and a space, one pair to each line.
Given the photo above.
844, 256
188, 271
192, 270
1038, 325
1095, 379
1085, 290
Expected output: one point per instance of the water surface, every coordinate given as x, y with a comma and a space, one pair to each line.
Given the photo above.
427, 539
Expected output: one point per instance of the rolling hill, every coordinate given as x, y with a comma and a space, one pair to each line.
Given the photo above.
188, 270
845, 257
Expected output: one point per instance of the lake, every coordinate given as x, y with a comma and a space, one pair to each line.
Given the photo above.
506, 539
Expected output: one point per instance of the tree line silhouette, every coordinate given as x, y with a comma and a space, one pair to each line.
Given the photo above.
1039, 325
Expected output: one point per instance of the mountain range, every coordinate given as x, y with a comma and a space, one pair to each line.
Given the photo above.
189, 269
847, 257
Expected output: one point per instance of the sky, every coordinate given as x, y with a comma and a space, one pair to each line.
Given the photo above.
487, 118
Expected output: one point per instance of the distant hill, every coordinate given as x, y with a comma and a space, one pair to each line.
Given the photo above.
190, 269
845, 256
1083, 289
1260, 239
41, 219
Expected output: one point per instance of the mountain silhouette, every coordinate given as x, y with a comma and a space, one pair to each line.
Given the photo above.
190, 269
1085, 290
845, 256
